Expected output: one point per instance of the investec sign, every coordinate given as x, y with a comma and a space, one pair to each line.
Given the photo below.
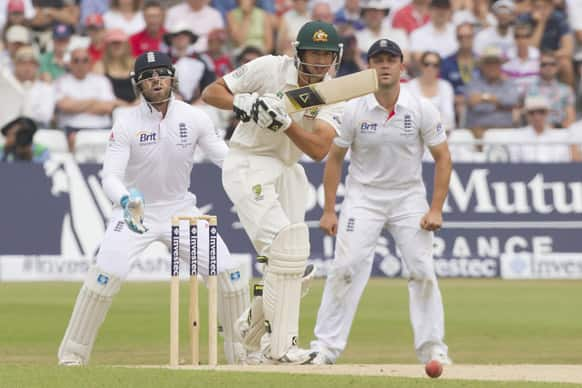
527, 216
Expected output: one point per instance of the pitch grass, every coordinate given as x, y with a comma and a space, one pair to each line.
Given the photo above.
487, 321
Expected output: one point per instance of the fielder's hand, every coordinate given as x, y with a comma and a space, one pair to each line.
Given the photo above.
328, 222
242, 105
431, 221
133, 205
269, 113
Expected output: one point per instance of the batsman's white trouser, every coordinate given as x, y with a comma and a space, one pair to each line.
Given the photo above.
270, 200
364, 213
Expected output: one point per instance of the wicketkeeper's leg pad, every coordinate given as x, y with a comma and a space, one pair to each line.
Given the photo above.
233, 295
282, 293
90, 309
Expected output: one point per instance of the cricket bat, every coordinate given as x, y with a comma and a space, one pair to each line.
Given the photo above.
331, 91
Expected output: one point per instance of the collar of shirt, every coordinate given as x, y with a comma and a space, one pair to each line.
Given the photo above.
403, 101
150, 111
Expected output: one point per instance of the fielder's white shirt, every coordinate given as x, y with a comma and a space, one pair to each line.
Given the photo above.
386, 149
273, 74
155, 154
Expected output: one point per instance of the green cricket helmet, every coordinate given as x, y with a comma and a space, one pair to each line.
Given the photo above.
317, 35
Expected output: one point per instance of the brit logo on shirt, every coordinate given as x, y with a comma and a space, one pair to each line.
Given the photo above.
366, 127
146, 137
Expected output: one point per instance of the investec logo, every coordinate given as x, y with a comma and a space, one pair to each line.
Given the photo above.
479, 194
175, 250
146, 137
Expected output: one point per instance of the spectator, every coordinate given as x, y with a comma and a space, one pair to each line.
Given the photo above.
17, 12
16, 37
500, 35
96, 30
52, 63
575, 19
225, 6
84, 100
560, 96
151, 37
478, 16
38, 96
291, 22
373, 13
199, 16
575, 134
117, 64
91, 7
490, 98
347, 19
321, 10
460, 69
352, 60
18, 142
552, 32
523, 65
248, 54
535, 140
250, 25
125, 15
437, 35
438, 91
193, 71
216, 51
49, 12
413, 16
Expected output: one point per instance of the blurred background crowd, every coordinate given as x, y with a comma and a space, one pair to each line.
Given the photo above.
502, 72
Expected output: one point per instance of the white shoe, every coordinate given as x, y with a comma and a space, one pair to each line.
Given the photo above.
439, 355
71, 360
297, 356
322, 359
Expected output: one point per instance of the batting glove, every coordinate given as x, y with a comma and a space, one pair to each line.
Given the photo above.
133, 205
243, 104
269, 113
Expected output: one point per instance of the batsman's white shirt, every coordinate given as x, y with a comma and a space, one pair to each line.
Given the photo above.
384, 189
260, 174
155, 155
274, 74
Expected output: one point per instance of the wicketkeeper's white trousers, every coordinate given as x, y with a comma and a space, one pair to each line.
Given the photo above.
364, 213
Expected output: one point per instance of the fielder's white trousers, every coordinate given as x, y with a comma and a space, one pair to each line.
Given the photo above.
267, 194
121, 247
365, 212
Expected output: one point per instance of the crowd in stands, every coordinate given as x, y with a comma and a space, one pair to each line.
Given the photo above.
488, 65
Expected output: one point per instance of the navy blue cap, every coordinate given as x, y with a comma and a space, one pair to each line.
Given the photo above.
385, 46
62, 31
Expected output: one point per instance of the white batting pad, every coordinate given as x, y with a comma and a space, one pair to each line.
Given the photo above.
233, 300
90, 309
282, 293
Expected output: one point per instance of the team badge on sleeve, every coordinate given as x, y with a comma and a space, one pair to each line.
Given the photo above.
238, 73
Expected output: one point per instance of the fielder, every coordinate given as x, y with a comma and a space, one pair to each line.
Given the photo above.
150, 155
268, 186
386, 132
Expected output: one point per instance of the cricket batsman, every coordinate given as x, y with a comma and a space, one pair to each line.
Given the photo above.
267, 185
150, 157
387, 133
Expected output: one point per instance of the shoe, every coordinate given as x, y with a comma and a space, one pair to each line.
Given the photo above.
321, 359
440, 356
297, 356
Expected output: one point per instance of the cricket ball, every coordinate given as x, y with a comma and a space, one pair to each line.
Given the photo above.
433, 369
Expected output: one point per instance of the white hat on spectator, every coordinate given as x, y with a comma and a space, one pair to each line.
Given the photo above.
536, 102
18, 34
503, 6
375, 4
26, 53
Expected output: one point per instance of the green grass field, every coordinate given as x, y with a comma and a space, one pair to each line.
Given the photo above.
487, 322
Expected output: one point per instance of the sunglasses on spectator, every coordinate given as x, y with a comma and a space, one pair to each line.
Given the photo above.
466, 36
80, 60
150, 73
436, 65
522, 36
545, 64
537, 112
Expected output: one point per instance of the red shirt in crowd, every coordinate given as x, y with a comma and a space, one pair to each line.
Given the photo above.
95, 53
408, 19
143, 42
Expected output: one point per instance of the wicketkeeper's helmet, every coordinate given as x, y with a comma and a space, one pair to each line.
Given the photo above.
151, 60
